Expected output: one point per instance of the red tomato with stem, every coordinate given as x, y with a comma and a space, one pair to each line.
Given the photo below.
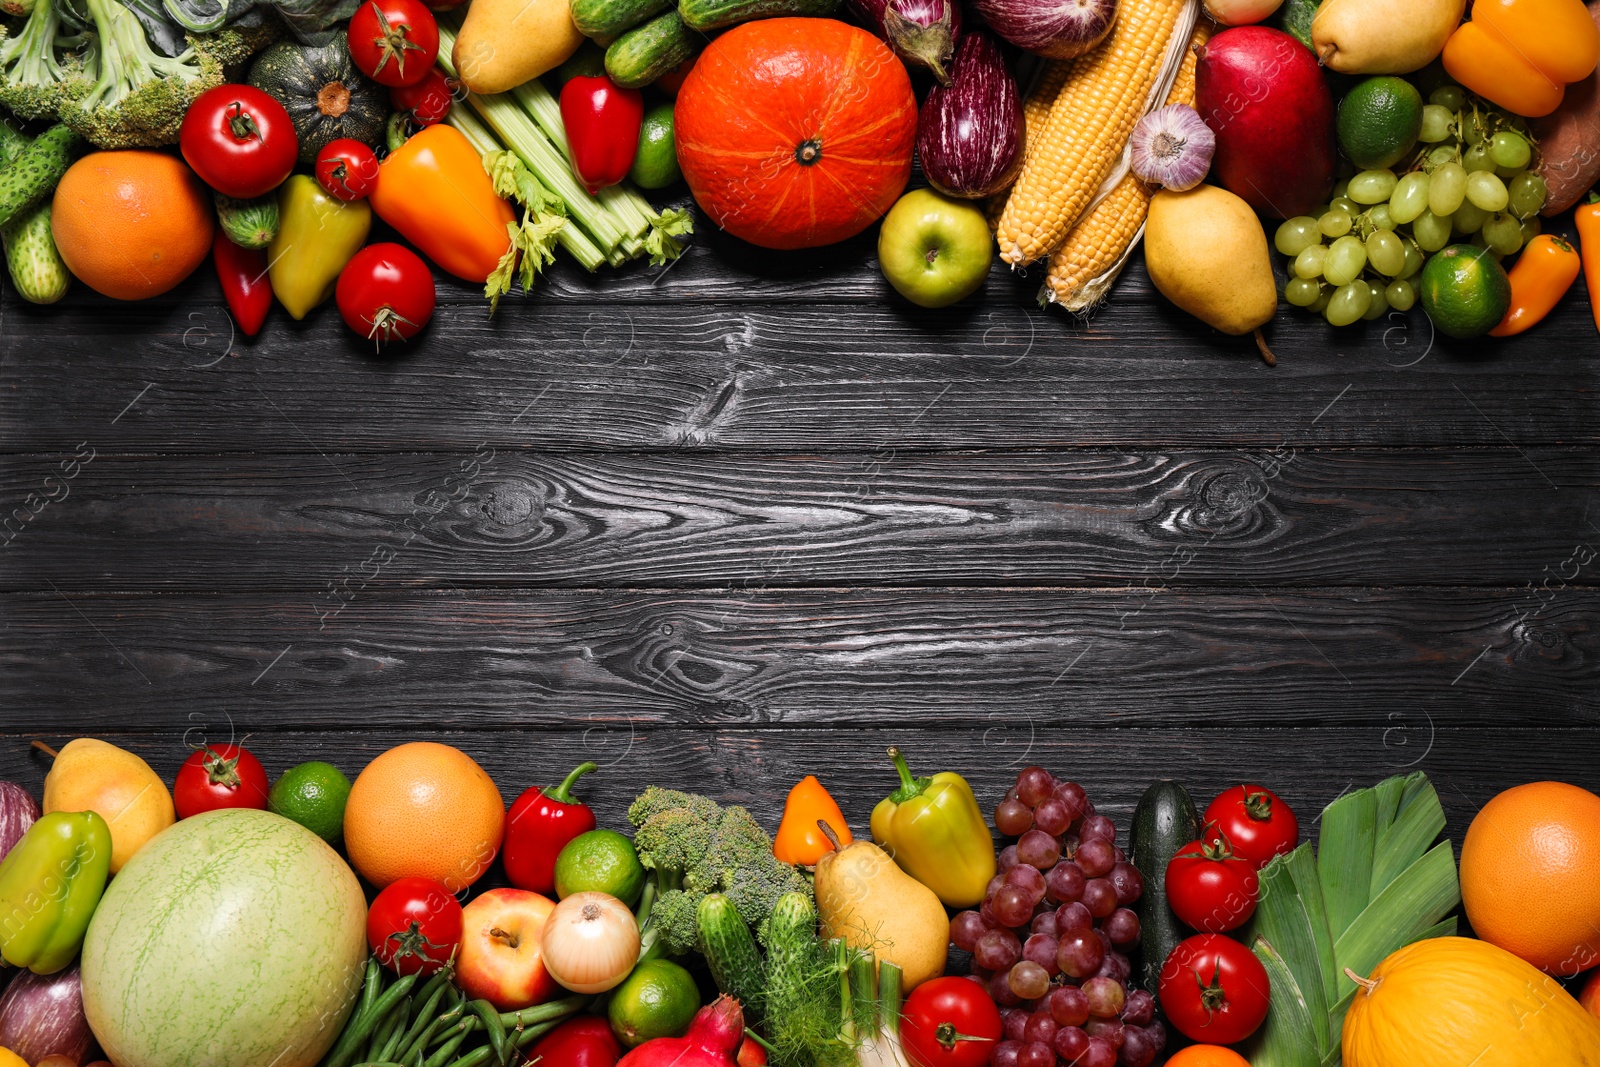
219, 776
1214, 990
586, 1041
950, 1022
347, 169
428, 100
1257, 824
239, 140
414, 926
394, 42
385, 292
1210, 888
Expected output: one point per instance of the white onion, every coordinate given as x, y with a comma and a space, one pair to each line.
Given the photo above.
1172, 147
590, 942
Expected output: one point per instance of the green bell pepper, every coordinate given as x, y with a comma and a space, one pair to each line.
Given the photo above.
50, 884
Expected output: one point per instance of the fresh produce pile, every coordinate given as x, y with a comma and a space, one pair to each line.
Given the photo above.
316, 922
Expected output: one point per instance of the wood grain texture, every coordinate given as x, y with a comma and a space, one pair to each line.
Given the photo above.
786, 658
1282, 517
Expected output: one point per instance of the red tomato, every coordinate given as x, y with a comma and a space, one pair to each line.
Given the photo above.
394, 42
751, 1054
1210, 888
1214, 990
347, 169
949, 1022
239, 140
414, 926
428, 100
219, 776
385, 292
586, 1041
1255, 822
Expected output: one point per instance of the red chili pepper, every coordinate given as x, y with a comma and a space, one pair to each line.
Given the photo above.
245, 285
538, 826
602, 121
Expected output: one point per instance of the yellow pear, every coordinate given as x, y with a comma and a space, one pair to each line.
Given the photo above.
869, 902
504, 43
91, 775
1205, 250
1382, 37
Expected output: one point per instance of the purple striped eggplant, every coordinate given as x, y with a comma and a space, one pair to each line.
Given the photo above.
970, 134
1055, 29
920, 31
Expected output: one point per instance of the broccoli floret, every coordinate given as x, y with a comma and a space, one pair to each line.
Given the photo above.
655, 800
673, 843
674, 915
756, 888
35, 81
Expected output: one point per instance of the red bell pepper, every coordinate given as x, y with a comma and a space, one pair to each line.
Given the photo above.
245, 285
539, 825
586, 1041
602, 121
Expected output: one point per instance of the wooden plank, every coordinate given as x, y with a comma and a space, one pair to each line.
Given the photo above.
783, 658
1285, 517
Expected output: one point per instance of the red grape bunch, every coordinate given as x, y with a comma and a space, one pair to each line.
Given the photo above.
1051, 938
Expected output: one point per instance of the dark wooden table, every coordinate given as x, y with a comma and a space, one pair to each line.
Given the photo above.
753, 516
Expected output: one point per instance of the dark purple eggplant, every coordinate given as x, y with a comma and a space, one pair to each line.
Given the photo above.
42, 1015
18, 811
1055, 29
970, 135
920, 31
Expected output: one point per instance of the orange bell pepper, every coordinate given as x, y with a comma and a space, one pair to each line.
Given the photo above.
1522, 54
1587, 217
434, 190
1542, 275
800, 840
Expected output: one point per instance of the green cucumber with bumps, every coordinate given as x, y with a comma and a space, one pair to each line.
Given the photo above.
715, 14
35, 264
646, 52
249, 223
730, 952
610, 18
33, 174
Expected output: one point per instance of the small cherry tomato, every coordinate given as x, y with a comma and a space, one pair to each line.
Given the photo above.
414, 926
394, 42
385, 292
1257, 824
347, 169
950, 1022
428, 100
239, 140
219, 776
1214, 990
586, 1041
751, 1054
1210, 888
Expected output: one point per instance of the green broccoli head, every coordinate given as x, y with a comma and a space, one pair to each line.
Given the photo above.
674, 842
655, 800
755, 887
36, 80
674, 915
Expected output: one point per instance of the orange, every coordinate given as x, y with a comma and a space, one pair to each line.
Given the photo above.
424, 810
1530, 875
132, 224
1207, 1056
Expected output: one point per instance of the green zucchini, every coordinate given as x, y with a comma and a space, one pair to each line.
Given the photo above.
608, 18
36, 266
1294, 18
646, 52
33, 175
715, 14
730, 951
249, 223
1164, 822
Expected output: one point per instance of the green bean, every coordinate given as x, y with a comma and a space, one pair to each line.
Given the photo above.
555, 1009
420, 1041
361, 1028
442, 1055
391, 1024
371, 987
496, 1029
425, 1014
479, 1057
396, 1037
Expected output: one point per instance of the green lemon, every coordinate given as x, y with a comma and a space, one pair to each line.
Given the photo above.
313, 795
601, 861
1464, 291
1379, 121
656, 165
657, 1000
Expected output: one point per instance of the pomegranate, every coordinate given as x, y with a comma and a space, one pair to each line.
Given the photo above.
1263, 95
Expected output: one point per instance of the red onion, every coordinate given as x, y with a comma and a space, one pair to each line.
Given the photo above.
18, 811
42, 1015
920, 31
1055, 29
970, 135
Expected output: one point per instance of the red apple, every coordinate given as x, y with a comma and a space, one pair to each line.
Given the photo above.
500, 960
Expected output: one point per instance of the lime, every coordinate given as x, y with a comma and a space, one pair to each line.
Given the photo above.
1379, 121
1464, 291
656, 165
657, 1000
602, 861
313, 795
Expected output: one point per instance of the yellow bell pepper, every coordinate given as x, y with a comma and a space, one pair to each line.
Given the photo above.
317, 235
1522, 54
937, 834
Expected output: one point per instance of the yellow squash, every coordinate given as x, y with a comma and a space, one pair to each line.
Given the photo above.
1456, 1002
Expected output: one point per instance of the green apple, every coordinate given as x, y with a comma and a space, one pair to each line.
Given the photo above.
934, 250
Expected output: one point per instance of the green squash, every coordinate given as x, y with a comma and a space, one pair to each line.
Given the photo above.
323, 92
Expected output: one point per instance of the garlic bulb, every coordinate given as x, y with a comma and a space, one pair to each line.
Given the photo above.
1172, 148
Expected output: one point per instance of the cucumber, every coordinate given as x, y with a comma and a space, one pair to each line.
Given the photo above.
1164, 821
715, 14
249, 223
36, 266
608, 18
33, 175
730, 952
12, 141
1294, 18
646, 52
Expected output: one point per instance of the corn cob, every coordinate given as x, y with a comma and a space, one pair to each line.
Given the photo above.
1105, 94
1035, 109
1089, 260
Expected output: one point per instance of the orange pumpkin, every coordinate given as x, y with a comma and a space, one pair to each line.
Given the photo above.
796, 132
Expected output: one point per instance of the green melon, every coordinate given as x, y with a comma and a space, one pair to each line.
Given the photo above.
235, 938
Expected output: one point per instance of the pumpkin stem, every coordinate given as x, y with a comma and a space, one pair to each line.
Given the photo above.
808, 152
333, 99
1369, 984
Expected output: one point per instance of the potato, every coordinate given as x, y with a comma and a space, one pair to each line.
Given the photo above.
1569, 140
